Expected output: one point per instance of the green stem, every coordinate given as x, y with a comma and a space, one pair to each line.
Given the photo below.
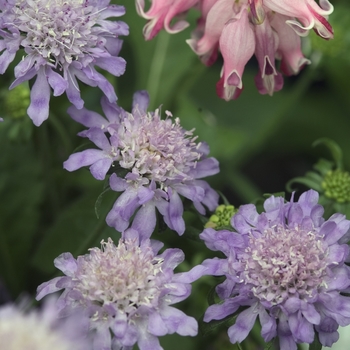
58, 126
46, 156
154, 77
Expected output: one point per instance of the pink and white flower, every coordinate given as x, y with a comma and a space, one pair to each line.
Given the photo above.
270, 29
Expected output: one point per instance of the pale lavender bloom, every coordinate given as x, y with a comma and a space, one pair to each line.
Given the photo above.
125, 292
63, 41
40, 330
285, 265
161, 160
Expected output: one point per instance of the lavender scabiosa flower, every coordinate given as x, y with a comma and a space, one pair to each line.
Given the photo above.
126, 292
161, 160
63, 41
40, 330
285, 265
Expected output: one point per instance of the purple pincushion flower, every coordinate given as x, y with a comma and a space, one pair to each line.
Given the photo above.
125, 292
285, 265
160, 158
40, 330
63, 41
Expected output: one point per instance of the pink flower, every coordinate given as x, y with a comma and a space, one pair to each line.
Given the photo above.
270, 29
161, 14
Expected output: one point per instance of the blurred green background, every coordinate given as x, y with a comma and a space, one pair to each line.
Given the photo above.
260, 141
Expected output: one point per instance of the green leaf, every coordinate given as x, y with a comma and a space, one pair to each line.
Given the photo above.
75, 230
334, 148
303, 181
323, 166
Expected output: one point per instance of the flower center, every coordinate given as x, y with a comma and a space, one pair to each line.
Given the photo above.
157, 149
284, 263
58, 30
123, 275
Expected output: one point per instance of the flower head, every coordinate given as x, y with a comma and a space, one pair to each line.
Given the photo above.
63, 41
40, 330
287, 266
336, 185
270, 29
125, 292
160, 160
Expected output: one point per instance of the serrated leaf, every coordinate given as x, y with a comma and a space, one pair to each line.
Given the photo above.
334, 148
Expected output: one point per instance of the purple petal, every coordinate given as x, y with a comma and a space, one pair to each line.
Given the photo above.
307, 201
177, 321
340, 280
66, 263
147, 341
190, 276
156, 325
302, 329
122, 210
101, 82
56, 81
268, 325
214, 266
119, 325
87, 118
47, 288
206, 167
244, 323
113, 65
100, 168
81, 159
172, 258
239, 222
29, 75
194, 193
140, 102
73, 92
334, 231
112, 11
174, 213
145, 220
117, 184
5, 59
99, 138
144, 194
338, 253
220, 311
38, 109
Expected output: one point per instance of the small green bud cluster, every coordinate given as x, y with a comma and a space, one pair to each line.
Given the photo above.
336, 185
222, 217
17, 102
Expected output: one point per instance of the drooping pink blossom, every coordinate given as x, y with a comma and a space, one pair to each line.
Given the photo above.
270, 29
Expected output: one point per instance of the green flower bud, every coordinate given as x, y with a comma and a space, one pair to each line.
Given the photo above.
222, 217
17, 101
336, 185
